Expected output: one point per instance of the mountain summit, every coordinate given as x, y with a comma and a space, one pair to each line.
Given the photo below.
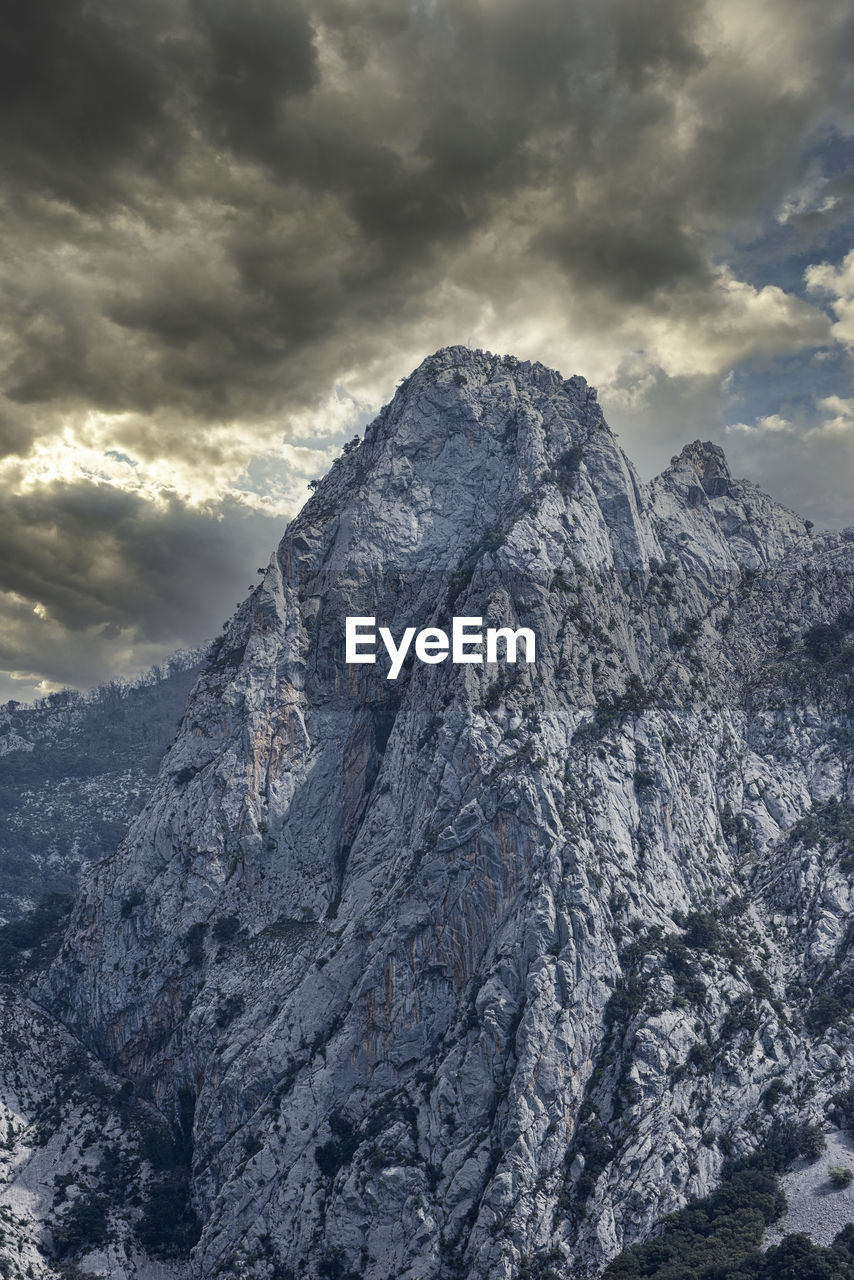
483, 971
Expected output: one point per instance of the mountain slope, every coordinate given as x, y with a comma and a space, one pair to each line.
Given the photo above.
74, 769
512, 955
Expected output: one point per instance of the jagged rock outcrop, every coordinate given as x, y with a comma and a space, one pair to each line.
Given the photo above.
488, 966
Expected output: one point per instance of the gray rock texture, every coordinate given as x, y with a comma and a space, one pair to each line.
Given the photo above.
816, 1207
74, 1163
490, 967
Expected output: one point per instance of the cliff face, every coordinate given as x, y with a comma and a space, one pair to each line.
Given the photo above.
490, 965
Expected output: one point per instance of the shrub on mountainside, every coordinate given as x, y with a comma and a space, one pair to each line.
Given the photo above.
193, 942
83, 1227
169, 1226
718, 1236
340, 1149
33, 941
842, 1108
566, 468
824, 641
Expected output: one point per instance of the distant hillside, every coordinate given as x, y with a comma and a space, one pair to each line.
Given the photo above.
495, 970
525, 956
75, 769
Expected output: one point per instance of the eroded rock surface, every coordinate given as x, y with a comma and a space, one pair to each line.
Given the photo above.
489, 966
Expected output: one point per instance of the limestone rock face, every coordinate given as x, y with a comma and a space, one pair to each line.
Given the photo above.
75, 1162
490, 964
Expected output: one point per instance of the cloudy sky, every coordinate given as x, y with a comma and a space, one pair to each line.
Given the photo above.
230, 227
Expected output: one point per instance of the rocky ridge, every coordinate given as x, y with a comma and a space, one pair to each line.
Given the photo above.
483, 971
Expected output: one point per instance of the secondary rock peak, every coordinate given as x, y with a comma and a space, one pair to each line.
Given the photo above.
709, 463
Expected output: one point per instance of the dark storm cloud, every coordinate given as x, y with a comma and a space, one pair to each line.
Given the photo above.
15, 436
82, 95
215, 210
255, 57
99, 564
93, 554
334, 159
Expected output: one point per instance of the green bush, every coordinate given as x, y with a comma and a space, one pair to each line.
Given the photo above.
842, 1108
702, 931
225, 928
193, 943
823, 641
169, 1226
831, 1004
772, 1095
718, 1237
788, 1141
340, 1149
84, 1227
710, 1236
566, 468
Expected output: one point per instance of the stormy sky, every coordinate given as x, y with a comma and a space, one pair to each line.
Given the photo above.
231, 226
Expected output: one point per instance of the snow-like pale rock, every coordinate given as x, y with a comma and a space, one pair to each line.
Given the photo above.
434, 955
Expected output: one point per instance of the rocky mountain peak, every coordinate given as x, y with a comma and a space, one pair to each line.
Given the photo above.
469, 444
709, 463
719, 525
488, 948
476, 393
